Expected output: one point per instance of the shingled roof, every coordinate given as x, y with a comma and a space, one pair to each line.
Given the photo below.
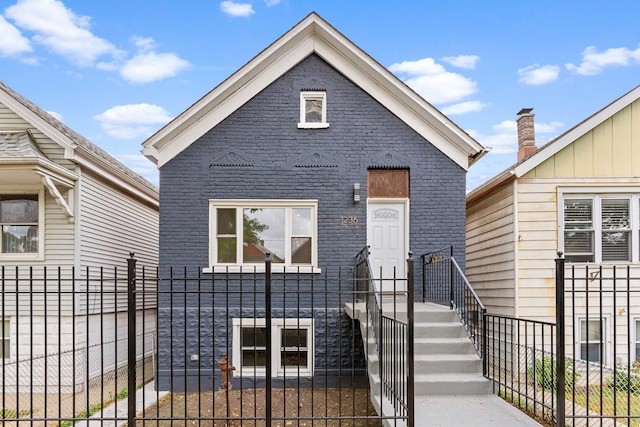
88, 148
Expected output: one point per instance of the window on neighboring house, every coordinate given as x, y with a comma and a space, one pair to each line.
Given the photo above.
600, 228
246, 230
292, 350
19, 219
313, 109
591, 340
5, 350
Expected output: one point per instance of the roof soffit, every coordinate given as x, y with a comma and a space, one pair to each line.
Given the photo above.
311, 35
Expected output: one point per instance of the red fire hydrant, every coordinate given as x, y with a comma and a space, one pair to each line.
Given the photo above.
226, 369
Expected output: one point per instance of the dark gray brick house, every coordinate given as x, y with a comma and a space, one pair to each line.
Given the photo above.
310, 152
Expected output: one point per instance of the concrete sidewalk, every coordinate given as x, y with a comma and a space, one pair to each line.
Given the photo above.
476, 411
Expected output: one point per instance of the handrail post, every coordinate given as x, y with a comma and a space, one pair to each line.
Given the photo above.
560, 342
424, 278
267, 291
410, 344
131, 339
451, 296
485, 342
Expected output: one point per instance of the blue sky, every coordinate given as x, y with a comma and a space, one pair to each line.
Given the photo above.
117, 71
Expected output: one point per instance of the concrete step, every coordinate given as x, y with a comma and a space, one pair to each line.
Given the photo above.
460, 345
438, 330
447, 364
452, 384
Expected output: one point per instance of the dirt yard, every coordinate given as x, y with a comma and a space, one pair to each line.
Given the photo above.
290, 407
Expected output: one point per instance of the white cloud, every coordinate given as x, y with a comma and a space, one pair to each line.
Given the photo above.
236, 9
462, 61
433, 82
13, 42
59, 29
58, 116
270, 3
594, 62
132, 120
538, 75
148, 67
463, 108
504, 140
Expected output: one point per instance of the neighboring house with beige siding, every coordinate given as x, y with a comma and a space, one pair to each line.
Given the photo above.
64, 202
580, 195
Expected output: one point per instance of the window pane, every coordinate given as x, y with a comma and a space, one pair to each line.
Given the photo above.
638, 331
590, 352
578, 214
301, 250
294, 358
313, 110
616, 246
4, 334
294, 338
227, 249
226, 221
256, 358
615, 214
263, 231
254, 337
301, 224
594, 333
578, 246
19, 239
19, 208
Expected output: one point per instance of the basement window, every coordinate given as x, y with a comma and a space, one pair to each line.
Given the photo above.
291, 349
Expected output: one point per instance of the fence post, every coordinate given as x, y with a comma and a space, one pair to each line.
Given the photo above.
267, 297
451, 296
131, 339
560, 344
410, 343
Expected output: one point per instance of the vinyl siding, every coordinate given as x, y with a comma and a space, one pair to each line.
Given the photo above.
113, 224
490, 250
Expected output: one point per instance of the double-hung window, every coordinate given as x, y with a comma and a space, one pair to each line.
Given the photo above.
591, 340
600, 227
19, 218
243, 232
291, 347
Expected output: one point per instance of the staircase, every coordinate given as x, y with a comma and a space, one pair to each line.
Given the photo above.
445, 363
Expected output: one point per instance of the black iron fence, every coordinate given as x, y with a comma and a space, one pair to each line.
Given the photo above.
249, 346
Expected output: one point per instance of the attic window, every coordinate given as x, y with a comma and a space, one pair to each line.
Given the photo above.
313, 109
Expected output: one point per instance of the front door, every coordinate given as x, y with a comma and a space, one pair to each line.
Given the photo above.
388, 240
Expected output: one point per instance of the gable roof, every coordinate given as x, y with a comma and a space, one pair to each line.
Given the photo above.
77, 147
312, 35
555, 145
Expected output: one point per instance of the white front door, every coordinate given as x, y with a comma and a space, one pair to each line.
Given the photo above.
387, 237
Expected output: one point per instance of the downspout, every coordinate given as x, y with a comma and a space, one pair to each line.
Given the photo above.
516, 241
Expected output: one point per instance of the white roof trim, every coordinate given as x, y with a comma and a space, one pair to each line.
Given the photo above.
576, 132
311, 35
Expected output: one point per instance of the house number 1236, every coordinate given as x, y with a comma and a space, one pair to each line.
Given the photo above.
349, 220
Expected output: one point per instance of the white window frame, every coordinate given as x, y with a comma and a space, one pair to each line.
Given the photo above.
241, 204
635, 356
306, 95
605, 337
277, 325
5, 337
597, 194
31, 190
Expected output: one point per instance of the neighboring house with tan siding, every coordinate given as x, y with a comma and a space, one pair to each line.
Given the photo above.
580, 195
64, 202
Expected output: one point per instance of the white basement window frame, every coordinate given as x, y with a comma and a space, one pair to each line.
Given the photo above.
292, 338
22, 213
239, 240
313, 109
599, 227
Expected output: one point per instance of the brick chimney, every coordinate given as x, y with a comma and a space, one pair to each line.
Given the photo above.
526, 133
